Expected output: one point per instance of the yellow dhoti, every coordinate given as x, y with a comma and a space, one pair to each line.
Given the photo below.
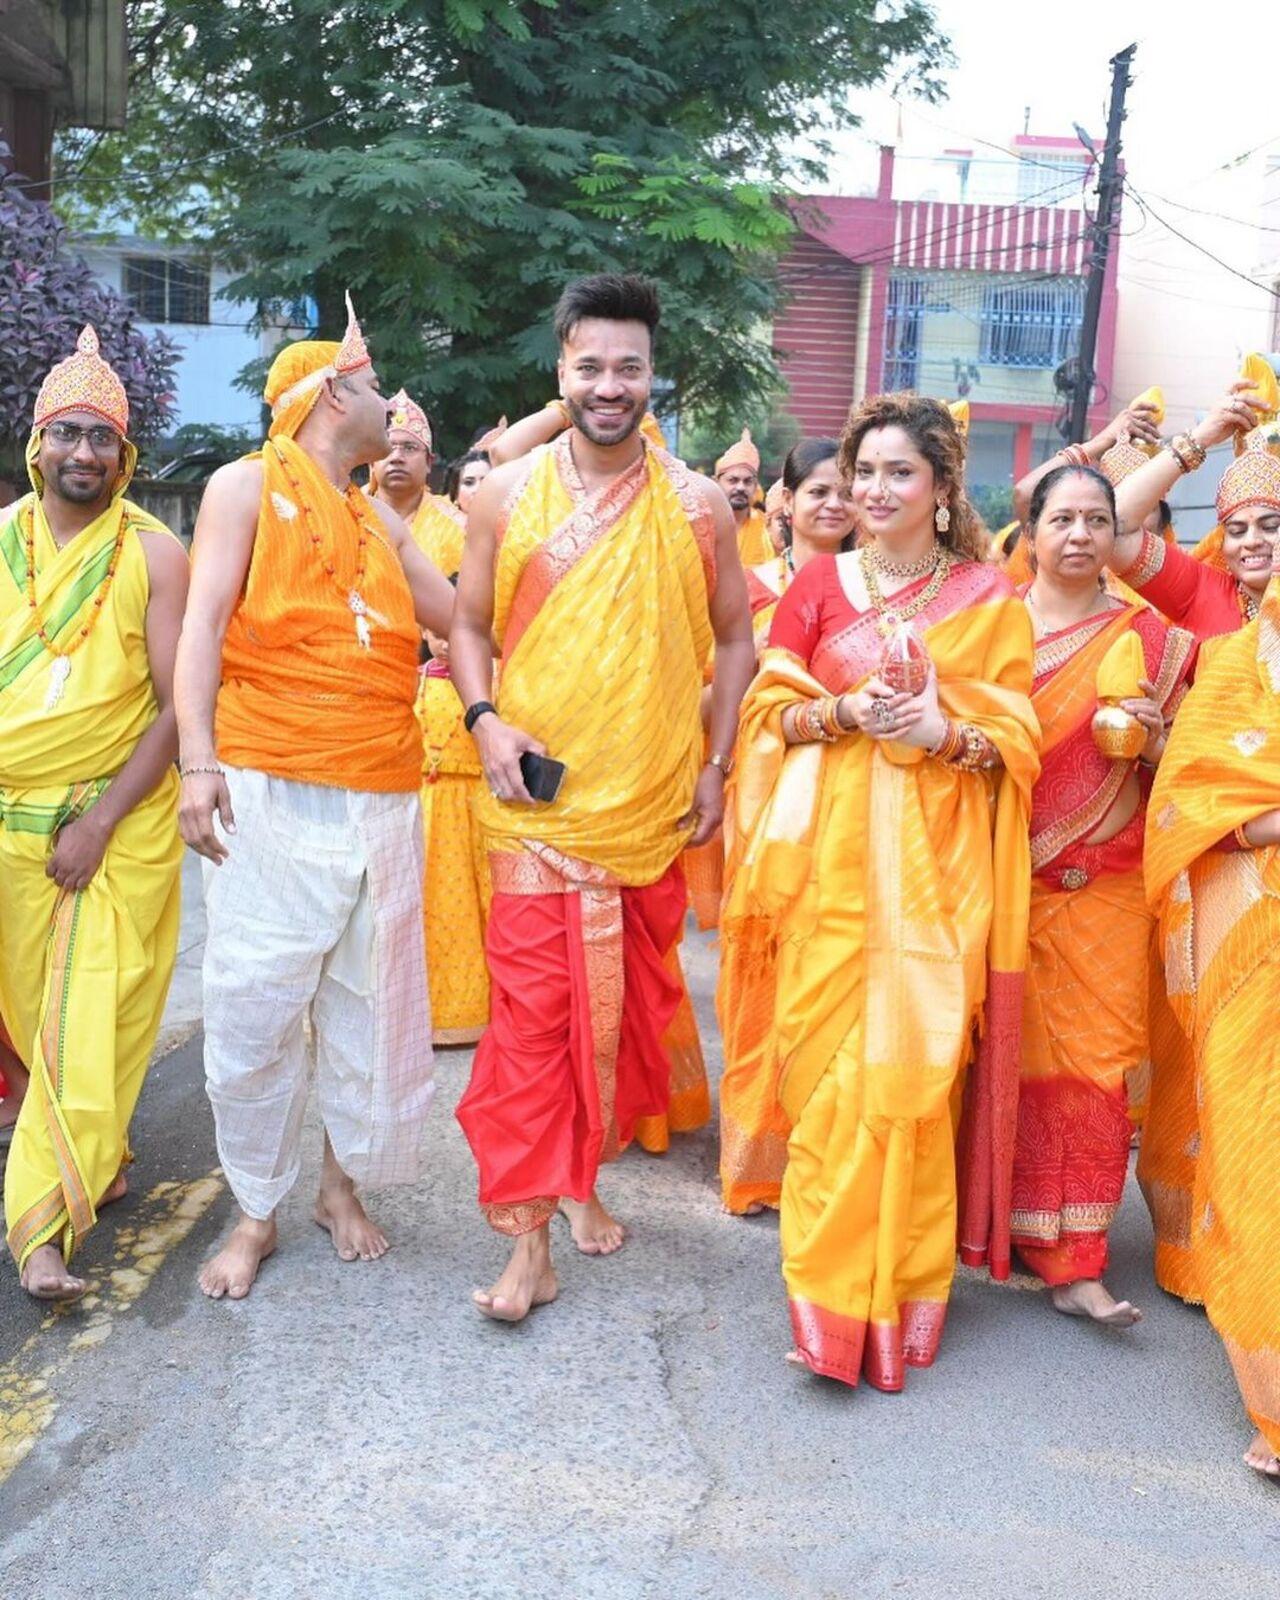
83, 976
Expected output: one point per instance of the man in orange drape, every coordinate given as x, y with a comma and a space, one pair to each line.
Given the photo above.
603, 568
295, 692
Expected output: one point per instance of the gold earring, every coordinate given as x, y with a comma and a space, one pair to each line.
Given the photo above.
942, 517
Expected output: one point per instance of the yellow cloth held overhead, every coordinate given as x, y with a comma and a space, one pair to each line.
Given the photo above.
611, 689
959, 410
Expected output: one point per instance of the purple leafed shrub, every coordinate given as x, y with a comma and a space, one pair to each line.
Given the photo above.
47, 294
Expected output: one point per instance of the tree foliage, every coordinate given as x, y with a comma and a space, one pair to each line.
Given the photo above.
454, 161
47, 294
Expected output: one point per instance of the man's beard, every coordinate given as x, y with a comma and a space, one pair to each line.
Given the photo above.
740, 500
579, 415
79, 491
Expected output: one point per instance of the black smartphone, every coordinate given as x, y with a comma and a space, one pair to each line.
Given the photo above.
542, 776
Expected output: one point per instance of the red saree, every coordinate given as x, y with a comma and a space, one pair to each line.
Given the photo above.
1084, 1021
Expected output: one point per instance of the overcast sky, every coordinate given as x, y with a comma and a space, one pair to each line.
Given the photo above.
1195, 108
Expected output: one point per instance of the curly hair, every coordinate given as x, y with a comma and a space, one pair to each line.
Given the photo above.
933, 431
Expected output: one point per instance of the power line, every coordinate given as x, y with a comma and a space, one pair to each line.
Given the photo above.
1203, 249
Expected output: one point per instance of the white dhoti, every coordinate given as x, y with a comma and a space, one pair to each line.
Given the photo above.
317, 911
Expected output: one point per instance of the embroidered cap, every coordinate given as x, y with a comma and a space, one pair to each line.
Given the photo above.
742, 454
83, 382
407, 415
1253, 478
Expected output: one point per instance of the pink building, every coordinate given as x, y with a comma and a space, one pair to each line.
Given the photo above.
962, 276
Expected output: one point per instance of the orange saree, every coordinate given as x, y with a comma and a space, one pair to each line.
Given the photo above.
892, 889
1084, 1021
1219, 915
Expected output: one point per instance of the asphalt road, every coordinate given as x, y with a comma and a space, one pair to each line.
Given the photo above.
358, 1431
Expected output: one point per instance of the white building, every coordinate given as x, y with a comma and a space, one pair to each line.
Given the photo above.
1185, 318
177, 292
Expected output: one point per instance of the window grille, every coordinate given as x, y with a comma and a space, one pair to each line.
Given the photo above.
167, 289
1033, 325
904, 315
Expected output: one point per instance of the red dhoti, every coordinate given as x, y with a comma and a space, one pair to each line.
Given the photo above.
573, 1055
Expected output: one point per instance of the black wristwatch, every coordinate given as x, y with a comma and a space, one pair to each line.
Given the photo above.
475, 712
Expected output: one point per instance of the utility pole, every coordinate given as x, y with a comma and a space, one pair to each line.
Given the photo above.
1109, 184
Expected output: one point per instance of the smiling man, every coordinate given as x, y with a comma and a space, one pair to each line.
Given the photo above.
91, 596
295, 690
603, 568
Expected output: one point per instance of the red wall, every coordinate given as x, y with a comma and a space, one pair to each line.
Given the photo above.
816, 335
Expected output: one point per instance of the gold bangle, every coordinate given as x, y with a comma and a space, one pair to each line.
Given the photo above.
559, 405
830, 721
1186, 452
1241, 837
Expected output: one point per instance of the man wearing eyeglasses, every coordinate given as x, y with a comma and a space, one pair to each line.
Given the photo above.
92, 591
402, 480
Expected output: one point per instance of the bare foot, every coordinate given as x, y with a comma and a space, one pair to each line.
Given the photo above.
528, 1280
235, 1267
756, 1208
1086, 1297
594, 1231
1262, 1458
355, 1238
116, 1189
45, 1276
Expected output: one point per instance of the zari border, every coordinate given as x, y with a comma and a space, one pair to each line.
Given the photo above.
523, 1217
539, 868
592, 518
1147, 563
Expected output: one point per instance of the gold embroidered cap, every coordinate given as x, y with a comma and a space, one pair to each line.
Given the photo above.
1253, 478
353, 352
409, 417
741, 454
83, 382
773, 499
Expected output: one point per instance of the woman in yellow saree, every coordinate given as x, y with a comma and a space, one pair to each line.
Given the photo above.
883, 834
1213, 876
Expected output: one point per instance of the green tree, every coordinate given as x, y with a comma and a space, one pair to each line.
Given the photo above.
454, 161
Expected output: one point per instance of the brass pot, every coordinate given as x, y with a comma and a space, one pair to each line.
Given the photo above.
1119, 736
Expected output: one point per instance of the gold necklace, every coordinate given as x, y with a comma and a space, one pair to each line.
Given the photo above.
1248, 604
890, 619
907, 569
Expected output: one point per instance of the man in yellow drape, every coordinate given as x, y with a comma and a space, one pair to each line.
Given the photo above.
91, 597
738, 474
1213, 876
603, 568
402, 480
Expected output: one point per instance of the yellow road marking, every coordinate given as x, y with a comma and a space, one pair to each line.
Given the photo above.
27, 1402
